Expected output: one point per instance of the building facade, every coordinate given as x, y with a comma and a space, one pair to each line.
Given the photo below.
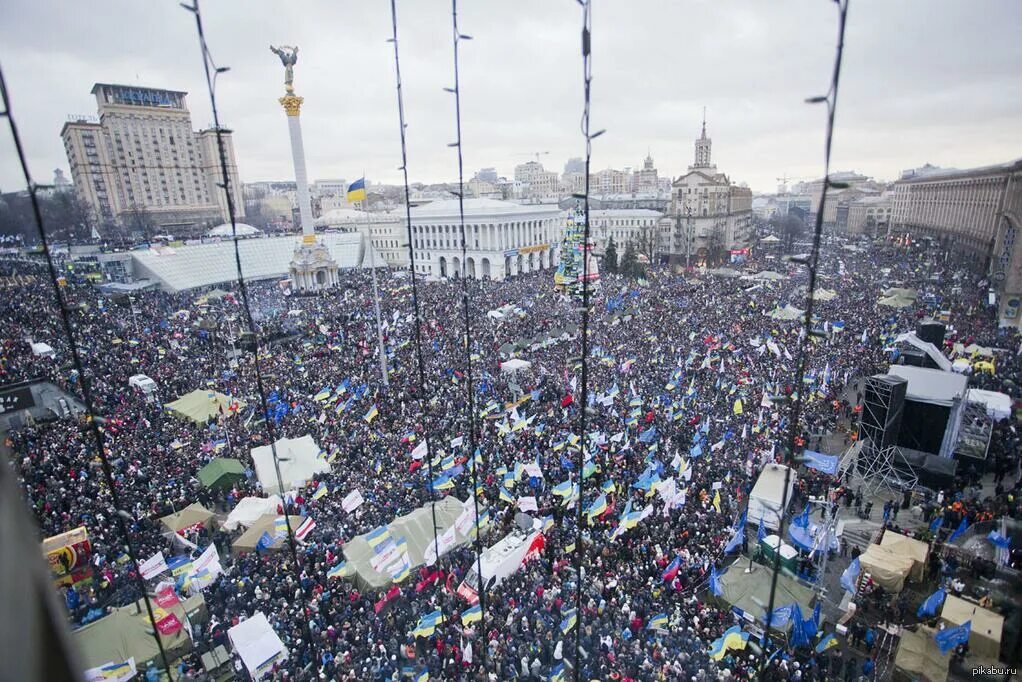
976, 211
535, 181
386, 229
869, 215
711, 215
504, 239
637, 226
141, 162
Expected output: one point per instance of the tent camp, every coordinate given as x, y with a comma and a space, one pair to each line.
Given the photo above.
765, 500
514, 365
192, 515
824, 295
416, 528
746, 592
299, 462
250, 509
222, 472
127, 633
898, 298
786, 312
248, 540
919, 657
201, 405
917, 550
987, 625
886, 567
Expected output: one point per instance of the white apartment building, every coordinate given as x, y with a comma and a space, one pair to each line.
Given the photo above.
141, 160
623, 226
536, 181
504, 239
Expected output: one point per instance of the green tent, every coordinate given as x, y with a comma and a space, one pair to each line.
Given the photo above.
222, 472
127, 633
747, 593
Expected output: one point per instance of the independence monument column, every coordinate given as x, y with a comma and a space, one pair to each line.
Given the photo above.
312, 267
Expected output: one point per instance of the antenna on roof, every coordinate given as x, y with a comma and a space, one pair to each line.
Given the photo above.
704, 121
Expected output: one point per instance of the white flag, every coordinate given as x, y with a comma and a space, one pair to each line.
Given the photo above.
352, 501
527, 503
420, 451
153, 566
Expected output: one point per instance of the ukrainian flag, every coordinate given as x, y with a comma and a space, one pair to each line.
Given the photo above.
116, 670
357, 190
568, 549
658, 622
423, 676
548, 523
608, 487
338, 571
733, 638
826, 643
589, 469
505, 496
570, 618
377, 537
471, 615
321, 491
597, 507
280, 527
402, 572
716, 501
427, 624
557, 675
371, 415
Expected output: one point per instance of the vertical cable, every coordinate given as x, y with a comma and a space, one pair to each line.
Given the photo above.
457, 36
212, 71
91, 417
587, 77
813, 265
423, 402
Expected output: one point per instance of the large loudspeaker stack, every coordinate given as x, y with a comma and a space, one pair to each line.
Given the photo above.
932, 332
882, 408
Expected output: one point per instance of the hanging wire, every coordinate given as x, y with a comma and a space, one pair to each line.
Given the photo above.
457, 36
812, 263
118, 513
423, 402
212, 71
587, 77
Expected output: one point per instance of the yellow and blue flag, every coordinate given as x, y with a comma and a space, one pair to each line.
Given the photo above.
471, 615
598, 506
338, 571
321, 491
505, 496
562, 489
733, 638
657, 622
569, 620
826, 643
371, 415
378, 537
427, 624
357, 190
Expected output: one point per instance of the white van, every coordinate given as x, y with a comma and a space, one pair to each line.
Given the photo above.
500, 561
143, 384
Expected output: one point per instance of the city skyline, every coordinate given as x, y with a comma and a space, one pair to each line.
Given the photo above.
907, 98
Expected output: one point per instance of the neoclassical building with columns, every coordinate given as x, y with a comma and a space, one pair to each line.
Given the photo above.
504, 238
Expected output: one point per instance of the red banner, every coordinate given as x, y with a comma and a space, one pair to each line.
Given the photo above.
166, 598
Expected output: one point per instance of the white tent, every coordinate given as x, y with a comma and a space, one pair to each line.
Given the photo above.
770, 239
250, 509
786, 312
299, 462
514, 365
257, 644
931, 385
225, 230
42, 350
998, 404
926, 347
765, 500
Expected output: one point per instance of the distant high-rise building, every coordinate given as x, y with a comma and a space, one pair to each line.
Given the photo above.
646, 180
142, 162
537, 182
488, 175
575, 165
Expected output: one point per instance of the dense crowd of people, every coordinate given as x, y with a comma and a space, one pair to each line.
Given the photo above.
688, 378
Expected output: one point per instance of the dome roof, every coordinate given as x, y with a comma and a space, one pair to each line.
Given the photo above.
225, 230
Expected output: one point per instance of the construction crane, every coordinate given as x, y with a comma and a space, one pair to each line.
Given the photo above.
536, 154
784, 182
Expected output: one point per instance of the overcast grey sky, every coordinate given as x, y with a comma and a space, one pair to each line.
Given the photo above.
924, 81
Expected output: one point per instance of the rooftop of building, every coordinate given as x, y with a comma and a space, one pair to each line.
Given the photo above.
929, 173
97, 86
449, 208
624, 212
